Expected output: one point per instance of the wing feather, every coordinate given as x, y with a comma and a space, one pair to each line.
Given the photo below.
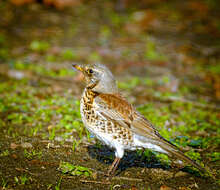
117, 109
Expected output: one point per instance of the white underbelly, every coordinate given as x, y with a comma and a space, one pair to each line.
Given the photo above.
138, 142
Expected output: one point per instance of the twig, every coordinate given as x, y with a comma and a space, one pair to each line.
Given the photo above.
113, 178
96, 182
197, 104
24, 170
127, 179
183, 100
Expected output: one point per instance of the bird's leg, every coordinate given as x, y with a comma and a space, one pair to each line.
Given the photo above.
114, 166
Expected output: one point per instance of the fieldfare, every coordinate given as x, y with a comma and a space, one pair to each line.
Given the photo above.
108, 116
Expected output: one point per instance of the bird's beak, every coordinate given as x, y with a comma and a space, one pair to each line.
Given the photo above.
78, 67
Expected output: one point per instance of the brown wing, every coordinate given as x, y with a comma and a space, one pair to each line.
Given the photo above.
117, 108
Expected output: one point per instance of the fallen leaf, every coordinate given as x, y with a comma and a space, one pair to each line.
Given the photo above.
14, 156
164, 187
50, 127
183, 188
13, 146
133, 188
21, 2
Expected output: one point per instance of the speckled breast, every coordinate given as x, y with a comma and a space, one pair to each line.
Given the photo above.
104, 129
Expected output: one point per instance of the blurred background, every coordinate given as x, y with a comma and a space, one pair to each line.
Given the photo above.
165, 55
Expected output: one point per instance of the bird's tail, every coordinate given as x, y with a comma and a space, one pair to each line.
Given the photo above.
172, 150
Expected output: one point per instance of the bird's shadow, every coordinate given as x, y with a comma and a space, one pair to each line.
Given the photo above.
131, 158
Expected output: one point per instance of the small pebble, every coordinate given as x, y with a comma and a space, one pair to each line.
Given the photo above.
180, 174
13, 146
16, 74
59, 139
26, 145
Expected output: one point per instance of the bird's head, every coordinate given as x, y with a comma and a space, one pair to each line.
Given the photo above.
98, 77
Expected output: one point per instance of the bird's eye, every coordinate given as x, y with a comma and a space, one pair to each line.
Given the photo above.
90, 71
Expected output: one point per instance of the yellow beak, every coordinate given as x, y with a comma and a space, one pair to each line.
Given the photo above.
78, 67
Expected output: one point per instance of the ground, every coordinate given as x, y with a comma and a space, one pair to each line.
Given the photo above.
165, 57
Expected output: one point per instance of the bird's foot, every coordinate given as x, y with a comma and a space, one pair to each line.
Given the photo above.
113, 167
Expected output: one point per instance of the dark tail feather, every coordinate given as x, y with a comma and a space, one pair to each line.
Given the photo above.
174, 151
185, 158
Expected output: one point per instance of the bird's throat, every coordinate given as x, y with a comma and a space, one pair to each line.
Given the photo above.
92, 84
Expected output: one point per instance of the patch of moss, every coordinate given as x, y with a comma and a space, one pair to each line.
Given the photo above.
133, 82
40, 69
68, 54
215, 156
67, 168
39, 46
151, 53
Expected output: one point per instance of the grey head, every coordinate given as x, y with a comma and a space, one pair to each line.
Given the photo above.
98, 78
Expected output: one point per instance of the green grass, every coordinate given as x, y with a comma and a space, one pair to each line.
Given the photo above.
76, 144
129, 85
94, 57
68, 54
4, 51
188, 121
4, 183
4, 153
214, 156
57, 187
39, 46
42, 70
29, 113
151, 52
31, 110
31, 154
75, 170
21, 180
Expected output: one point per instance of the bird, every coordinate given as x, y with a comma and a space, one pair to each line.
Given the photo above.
110, 118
